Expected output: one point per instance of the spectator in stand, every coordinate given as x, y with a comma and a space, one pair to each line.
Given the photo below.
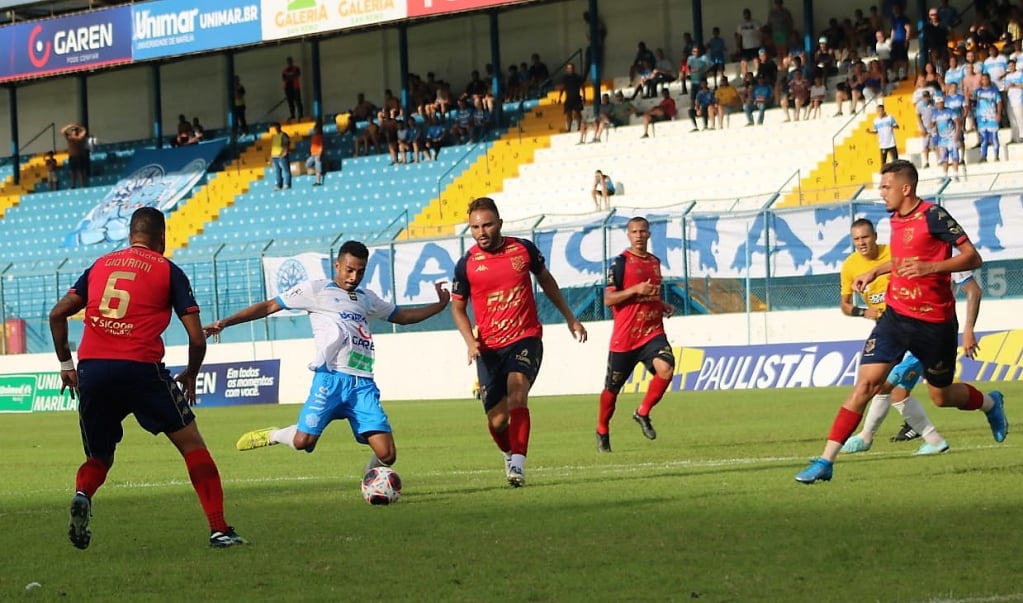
996, 65
931, 75
479, 127
461, 130
198, 132
51, 172
280, 153
818, 93
238, 107
925, 123
184, 132
957, 103
716, 52
538, 75
643, 54
864, 32
798, 95
835, 34
600, 121
876, 20
664, 111
392, 105
781, 23
644, 73
663, 73
291, 79
315, 159
874, 81
702, 106
901, 34
408, 141
435, 135
955, 73
362, 111
948, 16
726, 101
764, 66
884, 126
683, 68
760, 99
987, 114
1014, 100
574, 96
850, 90
603, 190
824, 62
476, 86
512, 89
883, 51
935, 37
946, 128
621, 112
698, 67
369, 135
748, 36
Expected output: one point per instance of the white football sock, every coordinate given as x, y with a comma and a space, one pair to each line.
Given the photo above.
285, 436
518, 461
913, 413
988, 403
878, 410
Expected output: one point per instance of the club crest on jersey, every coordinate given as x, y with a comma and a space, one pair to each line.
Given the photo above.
352, 295
518, 264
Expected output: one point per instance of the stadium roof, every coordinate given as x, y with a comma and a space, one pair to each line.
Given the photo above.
28, 10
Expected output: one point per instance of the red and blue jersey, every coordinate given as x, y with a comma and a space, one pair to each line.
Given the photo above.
501, 291
641, 318
129, 295
927, 234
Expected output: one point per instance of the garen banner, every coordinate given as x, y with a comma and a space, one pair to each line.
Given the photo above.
176, 27
774, 366
82, 41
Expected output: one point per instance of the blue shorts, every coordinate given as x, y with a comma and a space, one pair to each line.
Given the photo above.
493, 367
110, 390
336, 396
935, 344
948, 154
906, 374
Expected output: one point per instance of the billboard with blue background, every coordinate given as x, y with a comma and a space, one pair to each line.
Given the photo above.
81, 41
157, 178
175, 27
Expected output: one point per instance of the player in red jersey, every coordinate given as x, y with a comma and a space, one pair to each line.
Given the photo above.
634, 295
494, 275
921, 314
128, 296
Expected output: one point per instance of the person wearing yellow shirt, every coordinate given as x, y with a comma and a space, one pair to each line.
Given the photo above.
315, 159
280, 150
726, 102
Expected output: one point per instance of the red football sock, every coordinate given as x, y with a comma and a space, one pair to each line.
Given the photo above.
501, 438
654, 393
519, 430
91, 476
975, 399
607, 410
845, 424
206, 481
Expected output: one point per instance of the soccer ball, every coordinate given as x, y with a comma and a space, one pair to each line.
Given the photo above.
381, 486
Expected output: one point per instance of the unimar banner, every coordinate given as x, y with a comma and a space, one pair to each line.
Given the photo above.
775, 366
801, 242
157, 178
175, 27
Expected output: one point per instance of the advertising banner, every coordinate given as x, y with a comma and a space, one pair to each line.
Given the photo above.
82, 41
773, 366
425, 8
175, 27
297, 18
155, 178
236, 383
34, 392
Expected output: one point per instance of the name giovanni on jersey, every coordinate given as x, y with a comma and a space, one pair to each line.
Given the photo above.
340, 323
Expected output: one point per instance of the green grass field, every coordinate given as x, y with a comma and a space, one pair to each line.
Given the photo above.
709, 511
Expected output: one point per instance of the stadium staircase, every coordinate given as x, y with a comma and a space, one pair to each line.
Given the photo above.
487, 174
222, 188
32, 172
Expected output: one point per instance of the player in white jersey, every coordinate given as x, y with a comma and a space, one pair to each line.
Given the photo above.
343, 385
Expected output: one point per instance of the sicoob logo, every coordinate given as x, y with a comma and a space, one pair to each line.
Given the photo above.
38, 51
